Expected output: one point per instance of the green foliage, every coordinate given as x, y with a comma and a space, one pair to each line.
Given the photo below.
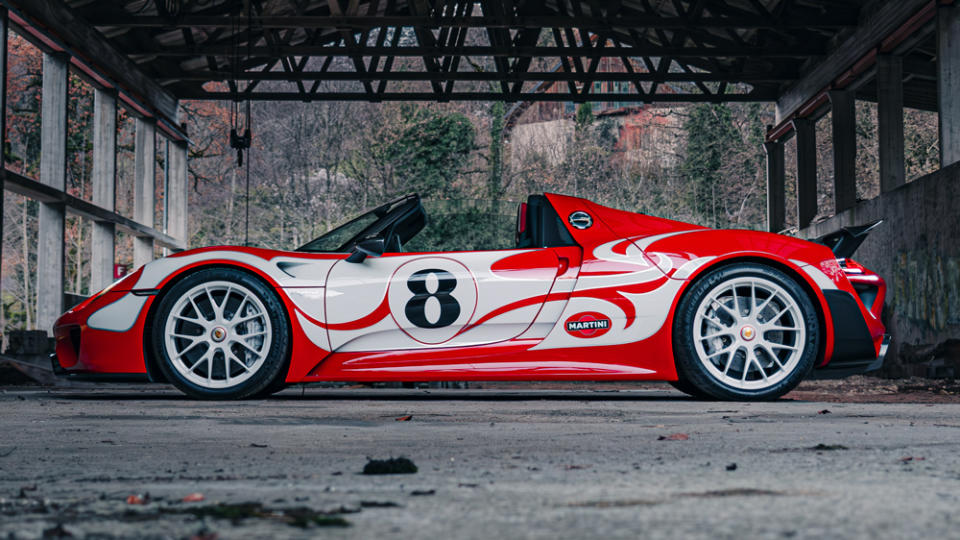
495, 157
584, 117
464, 229
711, 137
430, 150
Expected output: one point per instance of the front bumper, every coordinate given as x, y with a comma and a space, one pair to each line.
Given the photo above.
86, 350
59, 371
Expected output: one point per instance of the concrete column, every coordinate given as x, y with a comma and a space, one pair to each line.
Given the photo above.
948, 81
890, 121
53, 172
776, 178
844, 114
145, 167
3, 107
177, 192
104, 186
806, 170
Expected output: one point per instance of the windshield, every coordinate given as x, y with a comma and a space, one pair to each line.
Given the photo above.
343, 238
338, 239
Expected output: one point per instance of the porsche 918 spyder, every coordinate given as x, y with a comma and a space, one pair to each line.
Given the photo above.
588, 293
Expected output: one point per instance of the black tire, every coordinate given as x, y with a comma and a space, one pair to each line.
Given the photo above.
690, 390
270, 364
278, 384
694, 373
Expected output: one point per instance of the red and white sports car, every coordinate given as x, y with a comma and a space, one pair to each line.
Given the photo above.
589, 293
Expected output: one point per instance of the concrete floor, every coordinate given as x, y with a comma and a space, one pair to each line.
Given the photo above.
492, 464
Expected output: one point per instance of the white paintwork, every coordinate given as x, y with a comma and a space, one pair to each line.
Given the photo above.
816, 274
356, 290
546, 319
309, 300
118, 316
312, 273
652, 309
689, 267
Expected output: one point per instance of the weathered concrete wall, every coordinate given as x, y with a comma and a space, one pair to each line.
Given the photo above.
548, 139
917, 251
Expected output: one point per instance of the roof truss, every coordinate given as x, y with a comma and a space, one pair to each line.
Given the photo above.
541, 50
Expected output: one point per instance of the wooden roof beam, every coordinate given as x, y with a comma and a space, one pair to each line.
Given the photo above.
86, 44
878, 25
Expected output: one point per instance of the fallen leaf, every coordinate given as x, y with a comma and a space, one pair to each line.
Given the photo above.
193, 497
406, 418
674, 437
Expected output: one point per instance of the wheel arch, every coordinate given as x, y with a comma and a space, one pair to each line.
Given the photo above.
791, 271
151, 362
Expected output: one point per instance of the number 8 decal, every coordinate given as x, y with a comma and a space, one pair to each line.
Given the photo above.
415, 309
432, 298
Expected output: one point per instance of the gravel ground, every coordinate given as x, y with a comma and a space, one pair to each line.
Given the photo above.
609, 461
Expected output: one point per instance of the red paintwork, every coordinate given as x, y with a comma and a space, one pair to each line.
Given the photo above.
516, 359
505, 361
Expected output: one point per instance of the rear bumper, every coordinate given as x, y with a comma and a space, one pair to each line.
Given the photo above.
857, 348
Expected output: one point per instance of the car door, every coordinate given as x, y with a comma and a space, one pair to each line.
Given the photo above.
435, 300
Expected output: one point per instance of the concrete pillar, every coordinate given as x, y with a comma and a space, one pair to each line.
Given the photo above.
3, 107
53, 172
948, 81
145, 168
890, 121
844, 114
806, 170
776, 178
177, 192
104, 186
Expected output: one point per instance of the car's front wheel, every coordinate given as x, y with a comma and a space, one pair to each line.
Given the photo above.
745, 332
221, 333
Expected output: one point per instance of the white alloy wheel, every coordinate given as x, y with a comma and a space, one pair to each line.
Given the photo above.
749, 333
217, 334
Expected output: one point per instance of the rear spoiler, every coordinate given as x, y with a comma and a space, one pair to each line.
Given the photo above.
845, 242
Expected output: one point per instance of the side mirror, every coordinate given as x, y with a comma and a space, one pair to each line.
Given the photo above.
368, 247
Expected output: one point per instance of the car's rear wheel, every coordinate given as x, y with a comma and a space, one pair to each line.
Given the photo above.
221, 333
745, 332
